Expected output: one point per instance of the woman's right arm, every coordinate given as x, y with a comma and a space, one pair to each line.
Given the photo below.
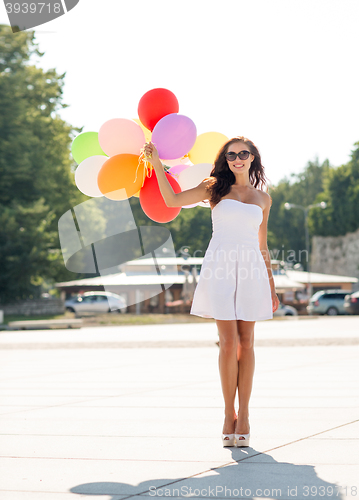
172, 199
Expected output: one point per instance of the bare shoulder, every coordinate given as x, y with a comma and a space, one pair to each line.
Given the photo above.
266, 198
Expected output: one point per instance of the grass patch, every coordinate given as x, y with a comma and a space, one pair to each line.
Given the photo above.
9, 318
116, 319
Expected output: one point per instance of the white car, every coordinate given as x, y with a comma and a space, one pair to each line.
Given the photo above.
96, 302
284, 310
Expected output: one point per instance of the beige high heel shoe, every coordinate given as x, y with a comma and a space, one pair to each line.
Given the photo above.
242, 440
229, 439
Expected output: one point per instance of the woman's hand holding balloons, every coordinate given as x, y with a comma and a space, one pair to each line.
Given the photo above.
158, 191
114, 163
152, 154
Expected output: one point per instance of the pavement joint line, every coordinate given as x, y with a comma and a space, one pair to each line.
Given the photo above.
240, 460
110, 345
307, 437
154, 436
119, 497
170, 407
300, 366
105, 397
194, 461
188, 477
39, 375
173, 344
259, 453
37, 491
112, 460
109, 397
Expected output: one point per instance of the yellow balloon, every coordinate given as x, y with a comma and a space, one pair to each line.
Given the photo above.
206, 147
137, 195
148, 133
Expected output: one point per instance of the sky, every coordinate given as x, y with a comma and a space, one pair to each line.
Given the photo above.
283, 73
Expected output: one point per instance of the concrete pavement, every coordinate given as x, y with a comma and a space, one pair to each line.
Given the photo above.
119, 412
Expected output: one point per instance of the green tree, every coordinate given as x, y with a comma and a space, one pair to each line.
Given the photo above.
341, 193
192, 227
36, 171
286, 234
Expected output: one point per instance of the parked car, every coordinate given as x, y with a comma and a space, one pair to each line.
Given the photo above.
351, 303
96, 302
284, 310
329, 302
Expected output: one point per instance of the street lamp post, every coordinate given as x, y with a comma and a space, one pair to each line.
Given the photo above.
288, 206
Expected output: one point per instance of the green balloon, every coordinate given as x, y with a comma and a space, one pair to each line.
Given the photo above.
86, 145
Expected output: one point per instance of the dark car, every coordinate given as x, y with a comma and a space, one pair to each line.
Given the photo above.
329, 302
351, 303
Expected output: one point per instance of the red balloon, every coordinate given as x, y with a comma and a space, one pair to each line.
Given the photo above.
152, 202
156, 104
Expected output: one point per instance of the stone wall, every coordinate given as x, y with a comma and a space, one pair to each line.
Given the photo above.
336, 255
38, 307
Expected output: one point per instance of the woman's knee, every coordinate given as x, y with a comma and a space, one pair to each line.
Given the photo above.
228, 338
246, 334
246, 341
228, 344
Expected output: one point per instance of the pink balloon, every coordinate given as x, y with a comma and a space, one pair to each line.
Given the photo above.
121, 136
178, 161
174, 136
176, 170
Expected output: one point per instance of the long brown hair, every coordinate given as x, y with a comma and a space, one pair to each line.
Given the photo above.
224, 177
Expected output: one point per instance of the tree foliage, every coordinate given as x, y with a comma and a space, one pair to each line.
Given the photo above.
192, 228
36, 172
37, 184
286, 230
341, 193
337, 186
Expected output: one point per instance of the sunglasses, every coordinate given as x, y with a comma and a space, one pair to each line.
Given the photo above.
242, 155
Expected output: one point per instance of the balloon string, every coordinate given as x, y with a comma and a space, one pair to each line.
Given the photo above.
147, 167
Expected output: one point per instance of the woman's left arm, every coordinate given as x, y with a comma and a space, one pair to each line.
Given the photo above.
263, 246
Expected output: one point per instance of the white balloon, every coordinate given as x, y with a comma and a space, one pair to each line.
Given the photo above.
204, 204
191, 177
86, 175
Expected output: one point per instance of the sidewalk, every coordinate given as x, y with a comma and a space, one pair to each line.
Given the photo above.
116, 412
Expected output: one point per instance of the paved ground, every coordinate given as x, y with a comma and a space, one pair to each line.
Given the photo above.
117, 412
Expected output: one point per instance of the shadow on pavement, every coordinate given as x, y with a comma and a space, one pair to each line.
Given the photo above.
252, 475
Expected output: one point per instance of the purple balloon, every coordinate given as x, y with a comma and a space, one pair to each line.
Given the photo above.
174, 136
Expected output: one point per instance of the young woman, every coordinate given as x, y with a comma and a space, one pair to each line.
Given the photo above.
236, 286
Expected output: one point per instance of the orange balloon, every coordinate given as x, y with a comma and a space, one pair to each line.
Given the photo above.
121, 176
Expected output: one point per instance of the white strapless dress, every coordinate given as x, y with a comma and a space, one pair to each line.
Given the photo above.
233, 282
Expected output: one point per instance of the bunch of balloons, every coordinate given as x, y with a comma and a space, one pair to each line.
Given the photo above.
110, 161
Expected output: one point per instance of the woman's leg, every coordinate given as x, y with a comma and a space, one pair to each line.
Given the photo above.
228, 369
246, 364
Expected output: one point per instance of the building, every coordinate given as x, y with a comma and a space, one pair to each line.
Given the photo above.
169, 286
